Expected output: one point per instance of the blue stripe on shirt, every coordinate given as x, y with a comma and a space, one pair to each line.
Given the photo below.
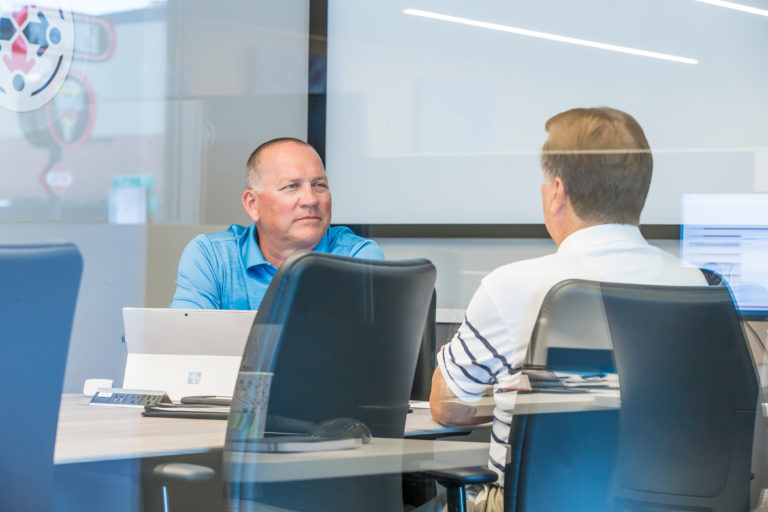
472, 356
492, 350
448, 370
497, 439
496, 464
496, 418
465, 372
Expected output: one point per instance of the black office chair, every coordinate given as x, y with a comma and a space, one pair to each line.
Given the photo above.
689, 398
682, 437
426, 359
39, 286
341, 336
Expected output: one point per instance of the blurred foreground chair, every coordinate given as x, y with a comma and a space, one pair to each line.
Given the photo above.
38, 292
341, 336
682, 437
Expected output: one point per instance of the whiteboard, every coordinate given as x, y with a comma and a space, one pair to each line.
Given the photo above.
440, 122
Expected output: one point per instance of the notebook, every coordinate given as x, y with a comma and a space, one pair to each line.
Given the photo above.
185, 352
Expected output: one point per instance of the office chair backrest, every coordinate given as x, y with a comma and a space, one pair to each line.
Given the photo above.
346, 333
39, 285
689, 396
562, 340
426, 360
682, 437
565, 461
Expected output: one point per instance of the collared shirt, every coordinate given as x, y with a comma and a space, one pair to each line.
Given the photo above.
490, 346
227, 270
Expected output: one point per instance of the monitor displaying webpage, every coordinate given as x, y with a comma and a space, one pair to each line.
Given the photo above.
728, 233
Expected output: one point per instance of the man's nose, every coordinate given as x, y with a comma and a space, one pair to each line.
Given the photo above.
309, 196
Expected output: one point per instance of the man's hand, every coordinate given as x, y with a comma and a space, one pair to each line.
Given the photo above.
447, 408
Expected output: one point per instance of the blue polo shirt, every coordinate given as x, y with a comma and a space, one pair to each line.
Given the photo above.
226, 270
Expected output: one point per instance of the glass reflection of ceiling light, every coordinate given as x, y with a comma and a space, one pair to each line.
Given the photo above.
550, 37
735, 6
5, 203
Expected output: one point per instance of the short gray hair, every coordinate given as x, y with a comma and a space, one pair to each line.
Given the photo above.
253, 166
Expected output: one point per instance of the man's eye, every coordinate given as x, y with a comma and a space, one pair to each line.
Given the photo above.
289, 186
321, 184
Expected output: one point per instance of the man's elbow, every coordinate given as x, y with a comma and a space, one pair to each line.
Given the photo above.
447, 416
446, 408
451, 412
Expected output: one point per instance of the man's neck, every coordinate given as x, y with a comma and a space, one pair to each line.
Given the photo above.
277, 256
566, 229
276, 253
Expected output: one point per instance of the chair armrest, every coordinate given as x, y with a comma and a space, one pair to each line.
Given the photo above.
462, 476
455, 480
182, 472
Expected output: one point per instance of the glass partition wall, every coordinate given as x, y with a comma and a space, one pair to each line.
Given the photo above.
125, 127
142, 111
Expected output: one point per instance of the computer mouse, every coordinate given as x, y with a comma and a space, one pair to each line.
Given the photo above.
343, 427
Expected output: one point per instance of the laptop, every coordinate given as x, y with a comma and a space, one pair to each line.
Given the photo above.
184, 352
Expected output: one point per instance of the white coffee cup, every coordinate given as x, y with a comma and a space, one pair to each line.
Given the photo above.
92, 385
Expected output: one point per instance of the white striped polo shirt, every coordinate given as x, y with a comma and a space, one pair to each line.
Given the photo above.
490, 346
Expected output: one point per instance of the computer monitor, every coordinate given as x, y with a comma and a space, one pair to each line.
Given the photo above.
728, 233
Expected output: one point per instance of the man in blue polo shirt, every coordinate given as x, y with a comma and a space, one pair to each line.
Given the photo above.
288, 199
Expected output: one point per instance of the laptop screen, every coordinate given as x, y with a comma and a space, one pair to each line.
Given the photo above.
184, 352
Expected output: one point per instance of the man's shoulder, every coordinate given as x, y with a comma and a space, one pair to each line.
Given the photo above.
341, 240
528, 269
524, 280
342, 236
231, 234
218, 246
652, 266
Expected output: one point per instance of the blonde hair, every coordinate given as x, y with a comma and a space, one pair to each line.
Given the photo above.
604, 160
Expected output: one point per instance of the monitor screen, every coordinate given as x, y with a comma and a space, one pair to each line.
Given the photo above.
728, 233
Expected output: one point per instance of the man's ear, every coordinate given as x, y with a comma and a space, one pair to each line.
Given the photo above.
558, 197
250, 203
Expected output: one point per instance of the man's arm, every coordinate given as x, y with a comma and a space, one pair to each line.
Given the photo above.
482, 351
447, 408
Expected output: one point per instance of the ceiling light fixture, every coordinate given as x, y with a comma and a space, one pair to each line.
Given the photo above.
550, 37
735, 6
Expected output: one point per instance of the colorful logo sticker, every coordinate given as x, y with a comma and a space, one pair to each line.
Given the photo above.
36, 46
72, 113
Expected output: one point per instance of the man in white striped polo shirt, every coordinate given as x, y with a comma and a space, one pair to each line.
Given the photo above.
597, 170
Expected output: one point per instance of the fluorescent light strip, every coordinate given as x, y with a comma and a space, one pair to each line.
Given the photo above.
735, 6
550, 37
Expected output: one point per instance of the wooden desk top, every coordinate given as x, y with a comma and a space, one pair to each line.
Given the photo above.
380, 456
91, 433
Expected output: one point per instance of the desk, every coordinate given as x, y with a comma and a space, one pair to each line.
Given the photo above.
100, 447
99, 453
93, 434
